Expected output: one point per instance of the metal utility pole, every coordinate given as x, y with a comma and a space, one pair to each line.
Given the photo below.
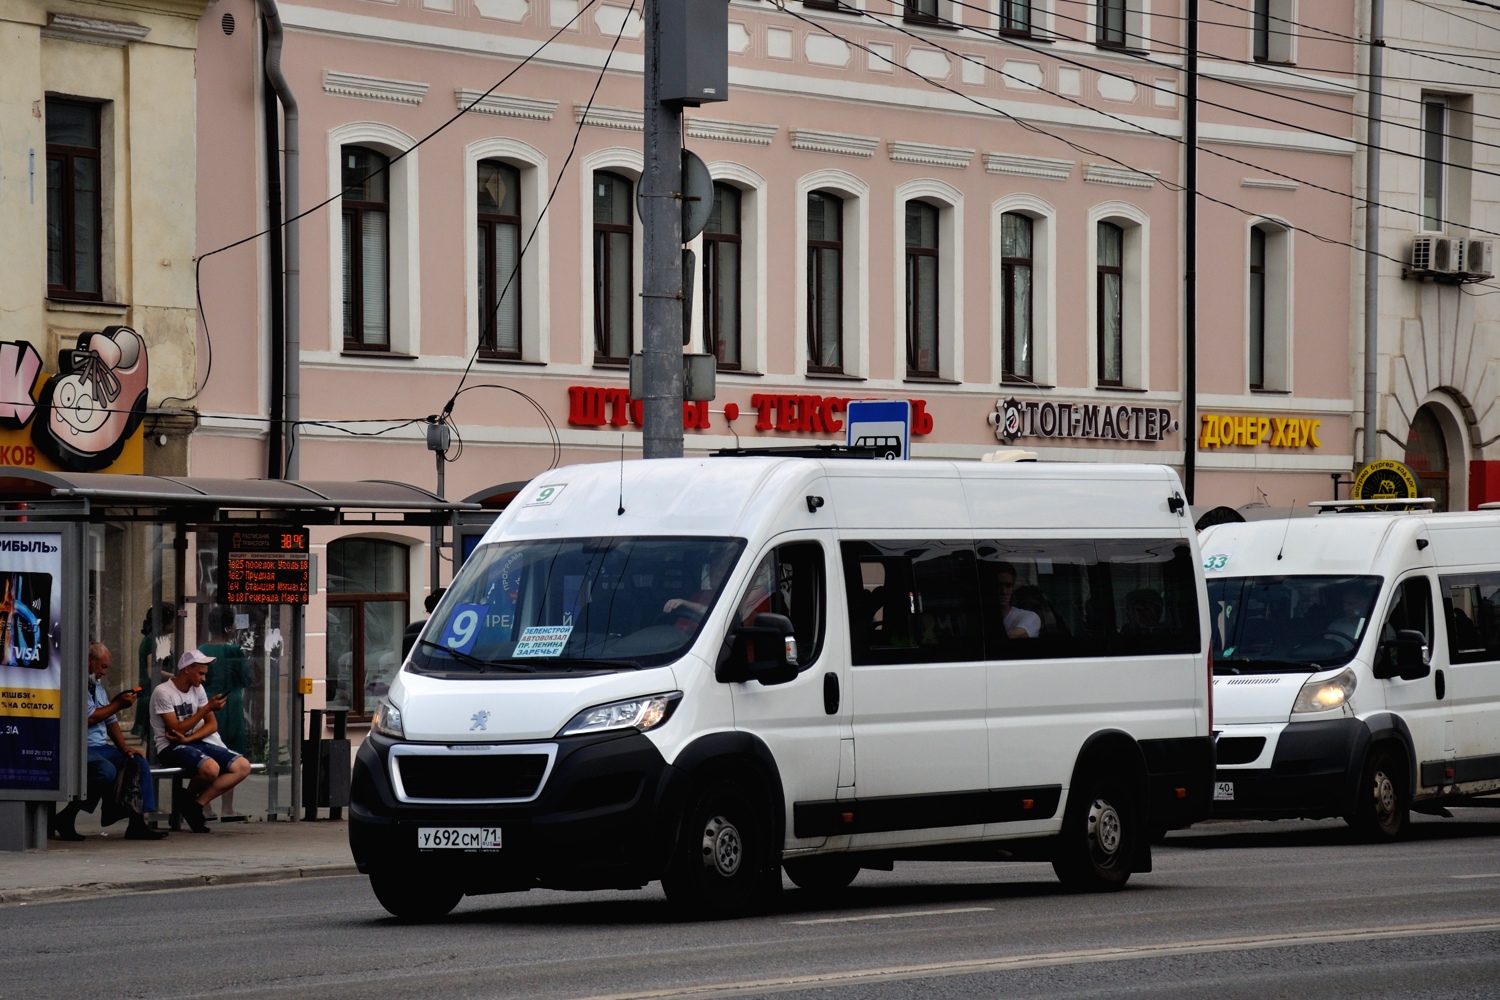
1190, 253
661, 276
1372, 227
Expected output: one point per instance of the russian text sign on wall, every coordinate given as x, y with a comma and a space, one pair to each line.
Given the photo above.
1223, 431
263, 566
596, 406
30, 662
1385, 479
1017, 418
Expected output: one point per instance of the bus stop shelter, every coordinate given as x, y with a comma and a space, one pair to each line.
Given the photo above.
152, 566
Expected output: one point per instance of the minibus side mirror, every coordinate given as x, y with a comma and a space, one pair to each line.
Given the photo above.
1403, 656
765, 652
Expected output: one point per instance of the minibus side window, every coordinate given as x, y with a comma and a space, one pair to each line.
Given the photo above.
1153, 596
1040, 599
1473, 622
1412, 610
912, 602
789, 581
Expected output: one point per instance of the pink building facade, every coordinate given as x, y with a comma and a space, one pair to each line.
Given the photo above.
976, 208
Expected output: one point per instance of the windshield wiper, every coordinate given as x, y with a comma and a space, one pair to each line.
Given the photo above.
479, 663
1234, 665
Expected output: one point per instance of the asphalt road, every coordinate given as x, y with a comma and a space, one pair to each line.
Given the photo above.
1242, 910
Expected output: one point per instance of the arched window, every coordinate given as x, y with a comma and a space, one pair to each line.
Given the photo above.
1015, 292
614, 278
367, 612
825, 282
367, 249
1427, 456
498, 205
1110, 299
721, 278
921, 289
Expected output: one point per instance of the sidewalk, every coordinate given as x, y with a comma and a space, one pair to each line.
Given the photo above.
105, 862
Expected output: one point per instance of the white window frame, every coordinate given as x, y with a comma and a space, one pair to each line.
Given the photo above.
1281, 45
752, 187
1137, 25
1278, 314
1043, 217
856, 230
627, 163
405, 272
536, 274
1041, 18
1135, 289
949, 201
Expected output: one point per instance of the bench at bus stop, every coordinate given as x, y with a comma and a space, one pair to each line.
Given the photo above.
180, 778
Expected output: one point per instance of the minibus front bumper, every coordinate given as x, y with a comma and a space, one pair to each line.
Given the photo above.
1307, 770
591, 824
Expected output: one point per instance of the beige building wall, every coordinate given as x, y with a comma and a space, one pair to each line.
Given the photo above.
137, 62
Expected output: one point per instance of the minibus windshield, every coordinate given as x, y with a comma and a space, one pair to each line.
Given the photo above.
1262, 624
572, 605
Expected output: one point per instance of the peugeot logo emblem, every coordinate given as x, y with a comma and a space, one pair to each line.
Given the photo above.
480, 719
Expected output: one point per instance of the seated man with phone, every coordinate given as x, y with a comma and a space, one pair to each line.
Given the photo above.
118, 772
187, 736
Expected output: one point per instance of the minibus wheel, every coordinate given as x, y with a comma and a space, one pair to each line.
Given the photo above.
1382, 805
1097, 842
718, 868
821, 874
413, 900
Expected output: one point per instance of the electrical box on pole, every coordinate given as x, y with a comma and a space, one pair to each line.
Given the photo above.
694, 51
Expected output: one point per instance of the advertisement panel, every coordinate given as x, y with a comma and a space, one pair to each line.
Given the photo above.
31, 680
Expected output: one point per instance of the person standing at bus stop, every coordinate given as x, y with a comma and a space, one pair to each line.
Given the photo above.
228, 675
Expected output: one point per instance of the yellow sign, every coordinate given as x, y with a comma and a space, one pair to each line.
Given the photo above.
1385, 479
31, 703
18, 448
1222, 431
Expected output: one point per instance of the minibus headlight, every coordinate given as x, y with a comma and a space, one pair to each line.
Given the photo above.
638, 713
387, 721
1325, 695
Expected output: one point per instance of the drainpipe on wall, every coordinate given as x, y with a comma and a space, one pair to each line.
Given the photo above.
292, 407
1372, 227
271, 125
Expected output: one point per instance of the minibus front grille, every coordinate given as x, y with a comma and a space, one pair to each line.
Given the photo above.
1238, 749
469, 777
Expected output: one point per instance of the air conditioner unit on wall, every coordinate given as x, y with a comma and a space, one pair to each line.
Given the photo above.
1480, 262
1448, 255
1421, 253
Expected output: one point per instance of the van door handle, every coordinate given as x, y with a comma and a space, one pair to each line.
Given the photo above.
1439, 684
831, 693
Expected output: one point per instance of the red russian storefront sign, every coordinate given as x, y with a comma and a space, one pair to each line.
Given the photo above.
596, 406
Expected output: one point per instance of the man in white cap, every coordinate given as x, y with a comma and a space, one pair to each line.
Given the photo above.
187, 736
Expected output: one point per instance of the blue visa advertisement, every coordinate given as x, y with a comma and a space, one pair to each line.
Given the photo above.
30, 662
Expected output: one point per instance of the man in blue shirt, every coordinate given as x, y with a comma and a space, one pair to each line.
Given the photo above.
108, 755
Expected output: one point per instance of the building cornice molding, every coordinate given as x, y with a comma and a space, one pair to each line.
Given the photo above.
840, 143
506, 105
927, 154
1109, 173
373, 88
625, 119
1269, 184
749, 133
1045, 168
93, 30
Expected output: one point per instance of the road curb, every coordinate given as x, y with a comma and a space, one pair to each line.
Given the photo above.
52, 893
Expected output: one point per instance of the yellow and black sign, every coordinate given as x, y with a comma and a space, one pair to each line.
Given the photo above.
1385, 479
1224, 430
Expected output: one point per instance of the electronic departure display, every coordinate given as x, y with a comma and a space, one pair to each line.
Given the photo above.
263, 566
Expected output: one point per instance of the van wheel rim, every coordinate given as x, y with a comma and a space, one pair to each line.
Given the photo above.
1105, 830
1385, 798
723, 850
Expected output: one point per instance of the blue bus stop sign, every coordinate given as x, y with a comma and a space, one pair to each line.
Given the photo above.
880, 424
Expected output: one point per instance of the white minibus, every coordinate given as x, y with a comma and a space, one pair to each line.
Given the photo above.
1356, 665
705, 671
